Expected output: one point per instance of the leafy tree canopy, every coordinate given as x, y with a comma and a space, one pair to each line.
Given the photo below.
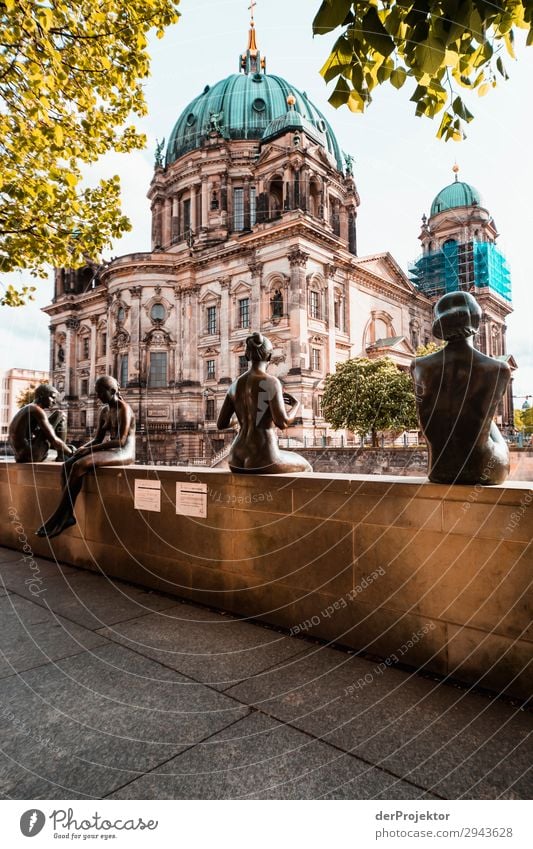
447, 48
70, 78
369, 396
430, 348
26, 396
523, 420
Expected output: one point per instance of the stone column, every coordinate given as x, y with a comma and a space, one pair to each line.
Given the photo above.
134, 368
192, 196
298, 309
288, 186
52, 355
205, 203
352, 232
188, 340
329, 273
167, 223
224, 324
175, 222
72, 325
157, 225
324, 202
92, 367
246, 200
178, 336
256, 270
344, 228
304, 188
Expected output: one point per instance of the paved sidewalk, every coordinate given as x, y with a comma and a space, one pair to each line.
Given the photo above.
110, 691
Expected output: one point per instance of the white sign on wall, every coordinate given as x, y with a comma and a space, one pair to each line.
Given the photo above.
191, 499
148, 495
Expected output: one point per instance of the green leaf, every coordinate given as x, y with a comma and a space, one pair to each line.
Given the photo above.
430, 55
376, 34
340, 93
444, 124
330, 16
398, 77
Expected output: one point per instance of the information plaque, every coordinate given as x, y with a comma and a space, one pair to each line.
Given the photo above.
191, 499
148, 495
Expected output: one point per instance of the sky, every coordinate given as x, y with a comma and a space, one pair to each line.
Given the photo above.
399, 164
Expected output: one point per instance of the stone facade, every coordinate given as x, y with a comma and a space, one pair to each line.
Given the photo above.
251, 229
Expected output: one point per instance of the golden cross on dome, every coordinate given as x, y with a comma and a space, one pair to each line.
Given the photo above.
251, 7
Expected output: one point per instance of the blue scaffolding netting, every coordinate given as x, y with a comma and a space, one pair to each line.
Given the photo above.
462, 266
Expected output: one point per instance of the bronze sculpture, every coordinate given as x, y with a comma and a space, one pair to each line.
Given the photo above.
32, 433
117, 423
258, 401
458, 390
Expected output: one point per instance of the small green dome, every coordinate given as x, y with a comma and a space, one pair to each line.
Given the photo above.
454, 195
244, 106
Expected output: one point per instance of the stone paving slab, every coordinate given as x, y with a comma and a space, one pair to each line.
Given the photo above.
158, 706
212, 648
32, 636
108, 717
7, 555
16, 572
88, 598
259, 758
453, 742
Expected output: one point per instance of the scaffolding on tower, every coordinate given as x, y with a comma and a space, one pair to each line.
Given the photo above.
466, 267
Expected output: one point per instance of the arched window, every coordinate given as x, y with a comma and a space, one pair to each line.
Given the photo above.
276, 304
275, 197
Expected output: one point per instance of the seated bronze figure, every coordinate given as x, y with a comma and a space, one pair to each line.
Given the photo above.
258, 401
458, 390
32, 433
113, 444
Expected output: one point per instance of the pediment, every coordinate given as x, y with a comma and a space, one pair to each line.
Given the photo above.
396, 345
385, 268
241, 288
209, 294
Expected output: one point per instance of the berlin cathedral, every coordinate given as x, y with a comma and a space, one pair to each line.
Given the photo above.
254, 227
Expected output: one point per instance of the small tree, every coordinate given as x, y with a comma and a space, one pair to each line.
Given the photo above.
527, 420
369, 396
26, 396
430, 348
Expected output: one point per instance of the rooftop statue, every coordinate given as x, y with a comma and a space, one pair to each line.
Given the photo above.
458, 390
113, 445
258, 401
158, 156
32, 433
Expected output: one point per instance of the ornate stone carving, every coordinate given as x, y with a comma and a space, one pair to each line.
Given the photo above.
256, 268
73, 324
120, 340
158, 339
297, 258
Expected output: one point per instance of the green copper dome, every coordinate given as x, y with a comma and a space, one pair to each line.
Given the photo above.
454, 195
244, 106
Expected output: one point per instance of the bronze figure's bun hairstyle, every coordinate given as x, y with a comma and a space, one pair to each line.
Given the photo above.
43, 391
457, 316
258, 348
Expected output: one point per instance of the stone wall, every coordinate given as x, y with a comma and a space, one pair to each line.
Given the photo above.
433, 576
368, 461
397, 461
